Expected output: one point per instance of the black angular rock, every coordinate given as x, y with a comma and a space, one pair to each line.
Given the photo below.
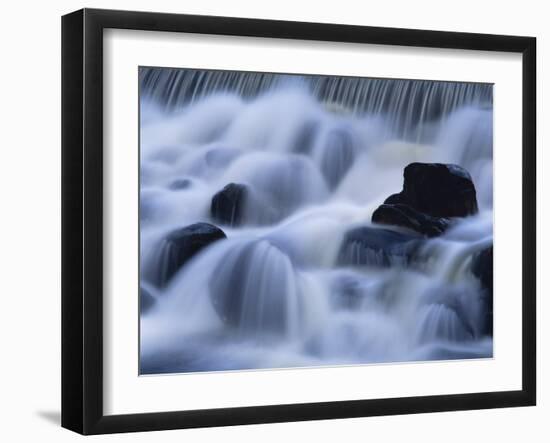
181, 245
378, 247
482, 268
403, 215
228, 205
436, 189
146, 300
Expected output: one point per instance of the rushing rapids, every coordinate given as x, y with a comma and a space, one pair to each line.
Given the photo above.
258, 249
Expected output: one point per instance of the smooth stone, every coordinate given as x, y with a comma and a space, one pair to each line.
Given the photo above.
407, 217
181, 245
228, 205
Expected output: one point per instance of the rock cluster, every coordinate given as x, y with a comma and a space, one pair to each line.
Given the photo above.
433, 194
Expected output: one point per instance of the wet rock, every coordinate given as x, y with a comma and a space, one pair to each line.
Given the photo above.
482, 268
181, 245
407, 217
438, 190
228, 205
146, 300
378, 247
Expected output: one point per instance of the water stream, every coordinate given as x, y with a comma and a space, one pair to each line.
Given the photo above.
318, 155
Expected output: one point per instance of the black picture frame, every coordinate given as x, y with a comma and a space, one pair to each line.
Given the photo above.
82, 220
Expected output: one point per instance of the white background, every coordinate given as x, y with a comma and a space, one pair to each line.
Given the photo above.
124, 51
30, 234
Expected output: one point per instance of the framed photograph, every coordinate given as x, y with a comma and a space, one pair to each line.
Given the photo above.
268, 221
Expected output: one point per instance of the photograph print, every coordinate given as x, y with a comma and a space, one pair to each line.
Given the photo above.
298, 221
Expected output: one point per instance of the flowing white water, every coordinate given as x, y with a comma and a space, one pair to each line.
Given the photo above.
319, 158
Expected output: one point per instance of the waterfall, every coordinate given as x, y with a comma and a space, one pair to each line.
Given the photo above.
404, 102
299, 164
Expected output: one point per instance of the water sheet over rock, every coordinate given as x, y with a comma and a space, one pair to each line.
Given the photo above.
181, 245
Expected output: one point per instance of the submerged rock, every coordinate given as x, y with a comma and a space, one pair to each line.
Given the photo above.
403, 215
445, 316
338, 155
181, 245
146, 300
210, 163
255, 289
279, 185
482, 268
438, 190
228, 205
179, 184
305, 137
348, 293
377, 247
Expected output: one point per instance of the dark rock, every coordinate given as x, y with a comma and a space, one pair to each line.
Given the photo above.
378, 247
228, 205
180, 184
403, 215
436, 189
181, 245
482, 268
146, 300
338, 155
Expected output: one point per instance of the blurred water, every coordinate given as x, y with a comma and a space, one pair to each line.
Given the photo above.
319, 156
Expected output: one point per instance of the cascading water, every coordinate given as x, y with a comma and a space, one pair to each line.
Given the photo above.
308, 159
